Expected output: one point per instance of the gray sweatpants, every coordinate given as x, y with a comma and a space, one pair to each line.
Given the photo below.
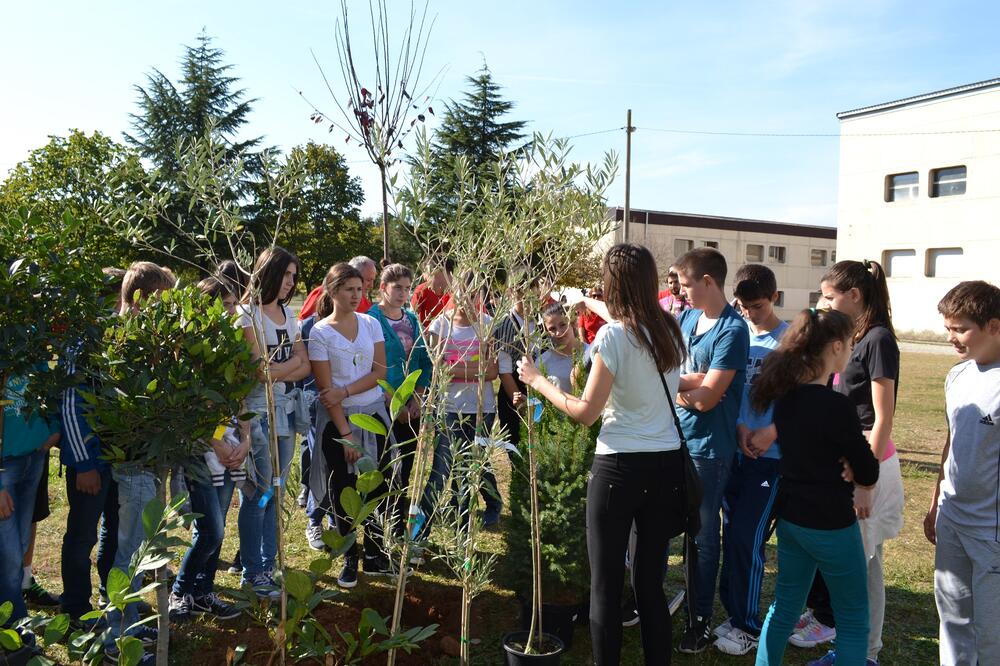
967, 592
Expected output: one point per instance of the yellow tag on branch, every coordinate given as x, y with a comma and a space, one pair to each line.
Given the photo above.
219, 432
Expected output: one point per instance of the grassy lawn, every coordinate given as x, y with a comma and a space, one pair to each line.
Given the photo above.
911, 620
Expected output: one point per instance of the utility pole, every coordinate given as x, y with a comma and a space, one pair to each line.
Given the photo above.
628, 175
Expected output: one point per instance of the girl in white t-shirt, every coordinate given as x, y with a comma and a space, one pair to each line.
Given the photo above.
347, 352
273, 334
637, 475
561, 360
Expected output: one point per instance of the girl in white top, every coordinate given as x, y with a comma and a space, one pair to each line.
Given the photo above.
637, 474
347, 352
561, 360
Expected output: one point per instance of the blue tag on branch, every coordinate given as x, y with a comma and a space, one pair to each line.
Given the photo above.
536, 415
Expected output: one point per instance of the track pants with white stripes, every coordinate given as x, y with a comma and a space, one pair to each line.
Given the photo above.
746, 506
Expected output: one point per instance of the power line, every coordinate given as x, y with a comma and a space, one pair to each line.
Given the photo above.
810, 134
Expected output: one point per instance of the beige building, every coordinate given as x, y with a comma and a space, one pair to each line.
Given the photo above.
798, 254
920, 192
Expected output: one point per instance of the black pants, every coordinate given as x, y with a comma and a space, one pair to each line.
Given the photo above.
405, 434
643, 489
85, 513
819, 601
340, 479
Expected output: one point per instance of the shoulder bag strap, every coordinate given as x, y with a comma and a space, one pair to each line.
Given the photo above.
673, 410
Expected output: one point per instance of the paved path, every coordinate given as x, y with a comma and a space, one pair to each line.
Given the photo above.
927, 348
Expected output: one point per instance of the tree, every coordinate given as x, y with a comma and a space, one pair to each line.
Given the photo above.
322, 220
76, 174
206, 102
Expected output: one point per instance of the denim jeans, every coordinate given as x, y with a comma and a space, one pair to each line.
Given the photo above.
258, 525
135, 490
20, 477
197, 573
714, 474
460, 429
85, 513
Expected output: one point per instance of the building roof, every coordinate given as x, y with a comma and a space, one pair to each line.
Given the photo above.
725, 223
907, 101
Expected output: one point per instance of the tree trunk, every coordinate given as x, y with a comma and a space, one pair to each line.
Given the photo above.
385, 214
162, 594
535, 628
278, 487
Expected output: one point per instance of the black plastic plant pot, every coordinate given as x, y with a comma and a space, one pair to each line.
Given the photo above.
557, 619
514, 644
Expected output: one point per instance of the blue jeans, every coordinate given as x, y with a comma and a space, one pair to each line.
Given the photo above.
714, 474
20, 477
258, 525
840, 557
460, 429
197, 573
135, 490
85, 512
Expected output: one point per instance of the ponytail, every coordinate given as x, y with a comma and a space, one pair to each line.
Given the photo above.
335, 278
799, 357
868, 277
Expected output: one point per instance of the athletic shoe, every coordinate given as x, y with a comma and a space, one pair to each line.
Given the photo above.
314, 535
416, 555
723, 628
211, 604
237, 566
737, 642
38, 596
381, 566
812, 634
828, 659
348, 577
303, 499
871, 662
630, 614
491, 521
265, 587
697, 636
146, 634
180, 607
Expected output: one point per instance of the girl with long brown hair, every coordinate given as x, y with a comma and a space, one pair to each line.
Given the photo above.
816, 524
637, 474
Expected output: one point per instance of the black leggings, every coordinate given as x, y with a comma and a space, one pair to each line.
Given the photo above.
340, 478
627, 488
405, 433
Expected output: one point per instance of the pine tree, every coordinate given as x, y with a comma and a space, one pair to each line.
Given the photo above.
473, 128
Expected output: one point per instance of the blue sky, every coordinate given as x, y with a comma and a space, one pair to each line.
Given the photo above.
571, 68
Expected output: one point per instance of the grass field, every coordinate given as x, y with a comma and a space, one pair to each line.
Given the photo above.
911, 621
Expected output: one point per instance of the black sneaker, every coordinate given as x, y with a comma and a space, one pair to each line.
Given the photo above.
211, 604
381, 566
630, 614
697, 636
348, 577
180, 607
38, 596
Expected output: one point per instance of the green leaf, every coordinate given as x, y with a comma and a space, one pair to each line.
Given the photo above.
409, 384
151, 386
118, 586
6, 608
369, 481
369, 423
320, 565
351, 501
298, 584
365, 464
10, 640
339, 544
131, 650
39, 660
56, 629
375, 621
386, 386
152, 513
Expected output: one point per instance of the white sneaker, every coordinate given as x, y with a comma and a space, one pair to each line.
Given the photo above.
314, 535
810, 632
737, 642
723, 628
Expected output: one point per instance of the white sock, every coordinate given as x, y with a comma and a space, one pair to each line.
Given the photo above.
26, 578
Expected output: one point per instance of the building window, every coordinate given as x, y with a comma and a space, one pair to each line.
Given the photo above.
900, 263
711, 244
948, 182
776, 253
818, 257
944, 262
755, 253
902, 186
780, 301
682, 246
833, 256
814, 297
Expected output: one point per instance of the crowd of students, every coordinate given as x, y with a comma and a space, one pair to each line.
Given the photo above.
788, 425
